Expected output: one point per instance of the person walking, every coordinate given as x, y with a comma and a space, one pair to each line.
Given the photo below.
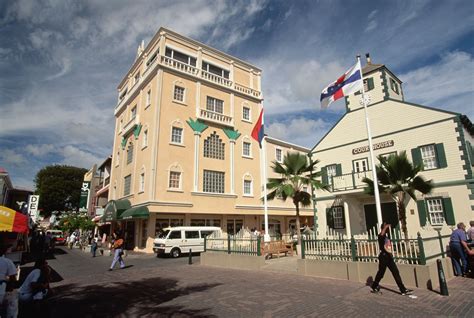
386, 260
470, 234
118, 252
94, 244
458, 246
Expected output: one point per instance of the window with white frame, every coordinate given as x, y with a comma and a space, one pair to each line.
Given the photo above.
387, 155
175, 180
338, 217
127, 181
142, 182
331, 170
247, 187
152, 58
214, 147
246, 113
428, 155
133, 112
361, 165
177, 135
435, 211
129, 153
148, 97
246, 149
178, 94
213, 181
279, 155
216, 70
215, 105
145, 138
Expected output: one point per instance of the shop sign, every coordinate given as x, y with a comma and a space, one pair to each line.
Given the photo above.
33, 202
84, 200
380, 145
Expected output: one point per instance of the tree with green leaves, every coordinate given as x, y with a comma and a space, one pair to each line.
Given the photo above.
296, 174
74, 221
398, 177
59, 187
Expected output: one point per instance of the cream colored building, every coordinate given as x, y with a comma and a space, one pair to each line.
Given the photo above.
439, 140
183, 152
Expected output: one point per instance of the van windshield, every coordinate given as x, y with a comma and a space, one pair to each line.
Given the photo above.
162, 234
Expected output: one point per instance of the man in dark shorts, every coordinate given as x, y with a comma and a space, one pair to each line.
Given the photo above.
386, 260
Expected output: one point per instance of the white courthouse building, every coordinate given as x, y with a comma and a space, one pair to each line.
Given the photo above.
440, 140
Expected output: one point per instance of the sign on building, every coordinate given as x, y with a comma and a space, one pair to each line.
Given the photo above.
84, 200
33, 201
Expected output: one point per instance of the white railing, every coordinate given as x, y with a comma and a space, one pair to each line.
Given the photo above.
216, 117
130, 125
349, 181
216, 78
247, 90
180, 66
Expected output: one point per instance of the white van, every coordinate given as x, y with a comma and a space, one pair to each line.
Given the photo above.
180, 239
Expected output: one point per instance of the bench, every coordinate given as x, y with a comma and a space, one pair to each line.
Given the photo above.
276, 248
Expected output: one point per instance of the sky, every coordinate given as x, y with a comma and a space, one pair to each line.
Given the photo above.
61, 61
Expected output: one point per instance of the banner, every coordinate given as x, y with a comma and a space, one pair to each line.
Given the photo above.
33, 201
84, 201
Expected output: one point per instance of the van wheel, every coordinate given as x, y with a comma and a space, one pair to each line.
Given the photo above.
175, 252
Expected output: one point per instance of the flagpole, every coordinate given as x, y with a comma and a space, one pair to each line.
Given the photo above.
372, 160
266, 237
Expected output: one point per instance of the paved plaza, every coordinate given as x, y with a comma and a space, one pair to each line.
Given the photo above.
164, 287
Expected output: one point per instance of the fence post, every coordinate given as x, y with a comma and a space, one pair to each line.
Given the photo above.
421, 256
259, 246
228, 243
440, 239
205, 244
353, 249
302, 248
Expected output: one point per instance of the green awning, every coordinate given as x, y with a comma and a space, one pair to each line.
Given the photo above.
140, 212
114, 209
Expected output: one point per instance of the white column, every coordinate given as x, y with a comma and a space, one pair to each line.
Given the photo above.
232, 171
348, 220
197, 136
198, 99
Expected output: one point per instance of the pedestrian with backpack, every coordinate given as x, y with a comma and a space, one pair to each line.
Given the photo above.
118, 252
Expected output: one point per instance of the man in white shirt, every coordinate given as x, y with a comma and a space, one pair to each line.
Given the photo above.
33, 288
7, 276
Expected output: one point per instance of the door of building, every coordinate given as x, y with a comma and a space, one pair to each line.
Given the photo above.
129, 236
389, 215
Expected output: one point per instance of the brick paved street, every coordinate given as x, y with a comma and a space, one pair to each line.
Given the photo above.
156, 287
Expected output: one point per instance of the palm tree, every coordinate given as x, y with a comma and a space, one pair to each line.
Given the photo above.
295, 174
398, 177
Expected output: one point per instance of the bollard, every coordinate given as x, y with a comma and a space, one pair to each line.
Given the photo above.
443, 287
190, 261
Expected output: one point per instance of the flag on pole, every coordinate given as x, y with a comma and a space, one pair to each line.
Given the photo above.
257, 132
347, 84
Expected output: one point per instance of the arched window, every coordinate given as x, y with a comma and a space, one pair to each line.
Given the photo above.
174, 177
214, 147
247, 185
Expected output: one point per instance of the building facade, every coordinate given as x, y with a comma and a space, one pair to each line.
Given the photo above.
183, 152
439, 140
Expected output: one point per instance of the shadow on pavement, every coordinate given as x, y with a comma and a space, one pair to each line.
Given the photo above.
25, 270
129, 299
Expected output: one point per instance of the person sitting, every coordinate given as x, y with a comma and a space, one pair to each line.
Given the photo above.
35, 288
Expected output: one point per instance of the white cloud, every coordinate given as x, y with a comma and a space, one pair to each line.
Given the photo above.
443, 83
11, 157
300, 130
74, 156
39, 150
372, 25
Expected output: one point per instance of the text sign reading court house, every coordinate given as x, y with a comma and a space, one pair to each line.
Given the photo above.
380, 145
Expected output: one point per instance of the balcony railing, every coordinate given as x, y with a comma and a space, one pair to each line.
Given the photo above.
216, 78
216, 117
349, 181
180, 66
188, 69
247, 90
130, 125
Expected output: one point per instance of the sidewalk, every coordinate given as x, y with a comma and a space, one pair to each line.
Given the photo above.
170, 287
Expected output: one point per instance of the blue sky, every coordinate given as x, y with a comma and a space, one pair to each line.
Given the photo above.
61, 60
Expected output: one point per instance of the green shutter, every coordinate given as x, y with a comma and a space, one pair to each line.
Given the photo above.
441, 156
329, 218
448, 211
324, 175
370, 83
416, 156
421, 212
338, 169
470, 151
